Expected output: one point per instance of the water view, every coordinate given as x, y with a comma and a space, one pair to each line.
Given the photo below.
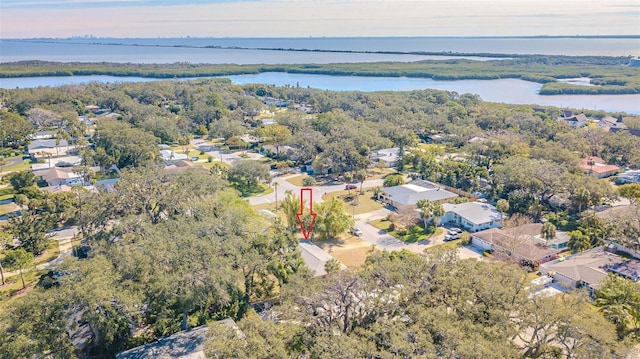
504, 90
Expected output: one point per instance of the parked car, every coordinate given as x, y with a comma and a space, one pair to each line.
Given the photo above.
450, 237
457, 230
350, 186
356, 232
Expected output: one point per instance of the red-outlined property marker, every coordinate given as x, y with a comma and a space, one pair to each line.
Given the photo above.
306, 232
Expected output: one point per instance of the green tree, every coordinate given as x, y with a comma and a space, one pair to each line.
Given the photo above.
619, 301
5, 238
291, 207
247, 174
630, 191
360, 176
332, 219
276, 134
393, 180
426, 211
127, 146
332, 266
226, 128
21, 180
502, 206
30, 229
13, 128
19, 259
548, 231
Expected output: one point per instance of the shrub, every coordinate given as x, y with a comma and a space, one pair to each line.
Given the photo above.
308, 181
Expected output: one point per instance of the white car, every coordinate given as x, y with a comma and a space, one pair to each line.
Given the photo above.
356, 232
450, 237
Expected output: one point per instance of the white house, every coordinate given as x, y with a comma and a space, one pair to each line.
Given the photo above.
473, 216
388, 156
57, 176
168, 155
407, 195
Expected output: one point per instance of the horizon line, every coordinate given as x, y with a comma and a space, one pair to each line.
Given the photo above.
77, 37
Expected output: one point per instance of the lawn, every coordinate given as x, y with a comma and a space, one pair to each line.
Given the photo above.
452, 245
260, 190
22, 166
363, 204
52, 252
8, 208
272, 208
6, 193
411, 235
14, 284
297, 180
376, 173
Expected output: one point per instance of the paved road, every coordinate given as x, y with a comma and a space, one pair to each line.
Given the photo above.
317, 191
370, 233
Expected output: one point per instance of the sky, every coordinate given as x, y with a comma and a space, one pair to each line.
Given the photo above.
317, 18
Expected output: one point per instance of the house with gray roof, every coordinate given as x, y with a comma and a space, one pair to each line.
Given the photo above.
187, 344
587, 269
388, 156
473, 216
407, 195
315, 258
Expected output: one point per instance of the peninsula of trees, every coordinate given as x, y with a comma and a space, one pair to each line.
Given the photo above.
609, 75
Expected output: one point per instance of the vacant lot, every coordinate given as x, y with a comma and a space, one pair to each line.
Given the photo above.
356, 203
351, 251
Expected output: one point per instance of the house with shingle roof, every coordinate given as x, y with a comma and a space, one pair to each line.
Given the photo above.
573, 120
523, 244
587, 269
56, 176
597, 167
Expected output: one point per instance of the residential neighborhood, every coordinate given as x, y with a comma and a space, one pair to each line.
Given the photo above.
249, 216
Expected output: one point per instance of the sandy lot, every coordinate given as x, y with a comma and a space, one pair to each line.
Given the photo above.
351, 251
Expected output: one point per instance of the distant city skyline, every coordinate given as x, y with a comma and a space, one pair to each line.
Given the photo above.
317, 18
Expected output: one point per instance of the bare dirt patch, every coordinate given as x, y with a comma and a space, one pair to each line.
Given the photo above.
351, 251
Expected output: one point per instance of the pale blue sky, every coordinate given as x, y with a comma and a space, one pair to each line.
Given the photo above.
302, 18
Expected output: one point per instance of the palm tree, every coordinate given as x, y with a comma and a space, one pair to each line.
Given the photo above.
548, 231
361, 176
332, 266
426, 211
275, 185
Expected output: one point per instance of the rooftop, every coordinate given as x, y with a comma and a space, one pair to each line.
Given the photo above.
314, 257
409, 194
597, 165
523, 240
188, 344
474, 212
589, 266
